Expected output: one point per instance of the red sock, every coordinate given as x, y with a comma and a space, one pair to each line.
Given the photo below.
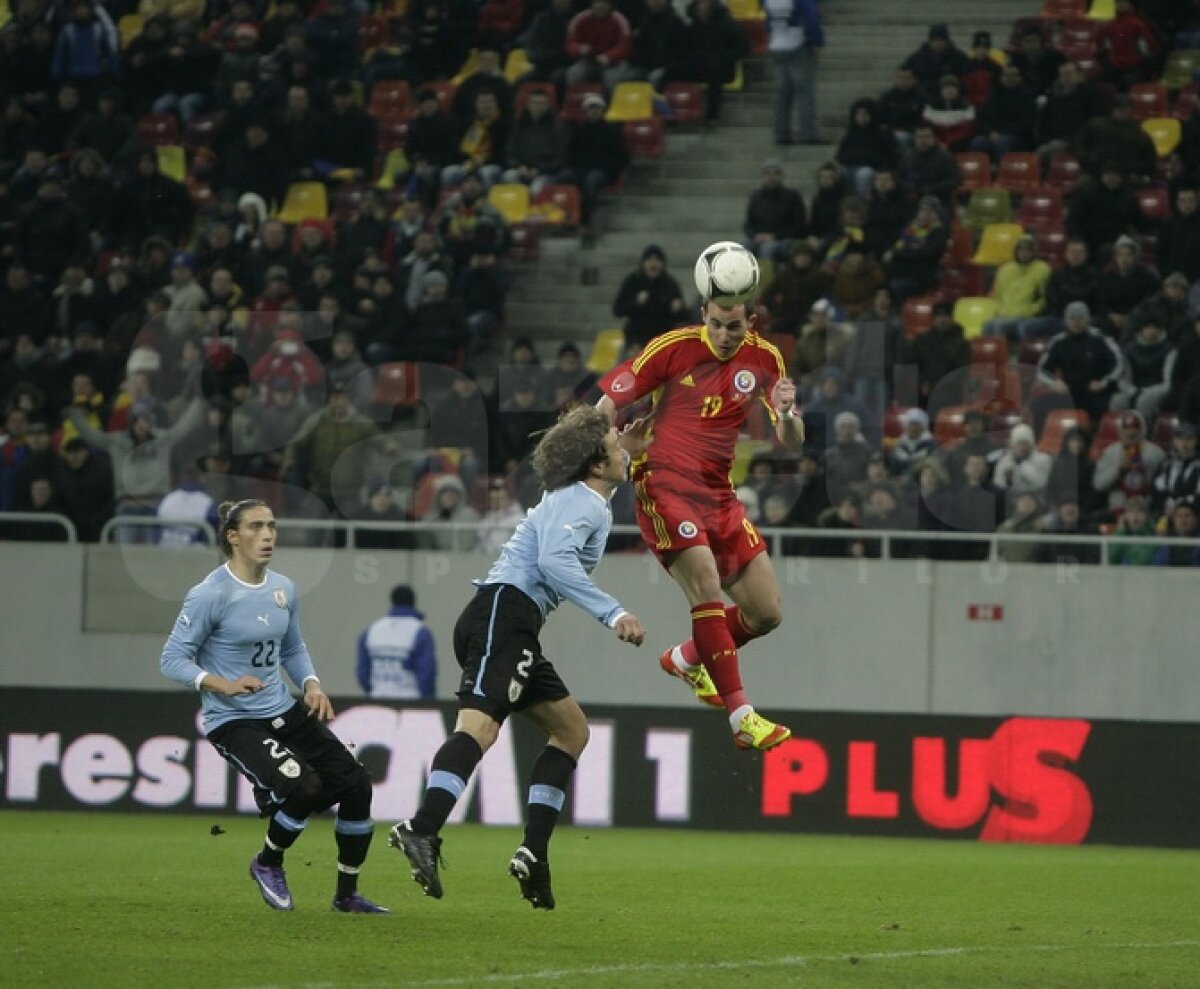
718, 653
740, 632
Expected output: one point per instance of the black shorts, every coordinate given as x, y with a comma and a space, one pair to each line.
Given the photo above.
496, 644
275, 754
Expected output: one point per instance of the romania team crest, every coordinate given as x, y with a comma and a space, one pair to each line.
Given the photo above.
744, 381
687, 529
281, 600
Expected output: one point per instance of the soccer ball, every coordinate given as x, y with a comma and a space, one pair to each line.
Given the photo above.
726, 273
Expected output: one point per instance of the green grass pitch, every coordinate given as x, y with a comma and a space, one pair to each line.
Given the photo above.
148, 901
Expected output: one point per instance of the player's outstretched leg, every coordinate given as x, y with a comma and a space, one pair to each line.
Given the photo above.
423, 852
533, 877
675, 662
272, 883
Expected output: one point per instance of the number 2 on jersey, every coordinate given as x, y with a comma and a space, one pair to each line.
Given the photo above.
259, 659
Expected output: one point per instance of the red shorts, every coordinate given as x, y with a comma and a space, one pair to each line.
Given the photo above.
674, 514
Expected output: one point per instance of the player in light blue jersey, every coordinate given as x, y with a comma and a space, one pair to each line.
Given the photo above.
580, 462
236, 635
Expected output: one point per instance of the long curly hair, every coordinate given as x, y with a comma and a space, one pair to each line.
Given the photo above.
571, 447
229, 517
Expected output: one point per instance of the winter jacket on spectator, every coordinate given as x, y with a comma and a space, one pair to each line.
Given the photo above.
931, 66
779, 211
952, 118
591, 34
51, 232
658, 39
1010, 110
1078, 360
536, 142
866, 142
1072, 283
149, 203
547, 39
86, 49
660, 310
1022, 468
1117, 138
1102, 213
1068, 106
931, 172
1126, 41
900, 107
1179, 244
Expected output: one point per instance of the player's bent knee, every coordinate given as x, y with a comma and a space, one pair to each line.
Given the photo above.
355, 802
306, 797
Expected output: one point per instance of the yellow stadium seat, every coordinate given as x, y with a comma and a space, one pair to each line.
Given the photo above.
607, 349
746, 10
129, 27
1103, 10
172, 161
989, 205
467, 68
396, 163
998, 243
304, 201
5, 12
972, 312
1181, 67
631, 101
738, 82
999, 56
516, 65
511, 199
1165, 132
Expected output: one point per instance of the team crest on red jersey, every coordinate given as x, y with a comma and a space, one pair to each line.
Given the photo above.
687, 529
744, 381
622, 382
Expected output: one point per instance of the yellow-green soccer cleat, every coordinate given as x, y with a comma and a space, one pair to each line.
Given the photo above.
697, 678
756, 732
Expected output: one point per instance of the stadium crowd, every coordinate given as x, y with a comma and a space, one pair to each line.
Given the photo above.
209, 211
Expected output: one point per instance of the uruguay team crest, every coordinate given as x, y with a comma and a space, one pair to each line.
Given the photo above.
281, 600
744, 381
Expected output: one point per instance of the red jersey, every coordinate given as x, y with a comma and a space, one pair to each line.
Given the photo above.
700, 401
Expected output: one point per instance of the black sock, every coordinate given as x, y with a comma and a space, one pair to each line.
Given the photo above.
352, 853
279, 840
452, 767
547, 790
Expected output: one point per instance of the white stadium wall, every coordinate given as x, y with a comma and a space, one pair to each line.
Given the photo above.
885, 636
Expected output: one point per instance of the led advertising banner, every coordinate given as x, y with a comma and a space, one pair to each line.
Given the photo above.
1048, 780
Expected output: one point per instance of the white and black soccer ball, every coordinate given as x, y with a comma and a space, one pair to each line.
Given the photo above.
726, 273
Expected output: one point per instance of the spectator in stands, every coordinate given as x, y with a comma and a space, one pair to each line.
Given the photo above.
432, 145
1038, 64
451, 509
659, 38
1167, 307
1022, 468
1070, 102
187, 296
519, 417
504, 514
714, 44
458, 420
59, 121
300, 134
832, 397
336, 436
599, 42
40, 458
349, 135
1146, 376
568, 381
885, 508
364, 235
938, 353
915, 445
470, 223
872, 354
1084, 364
1072, 472
546, 42
596, 154
1076, 280
795, 37
188, 501
845, 459
950, 115
51, 231
1178, 476
1127, 467
1026, 516
827, 201
795, 289
1179, 238
888, 212
867, 146
106, 130
1116, 140
481, 145
649, 299
24, 305
1104, 211
424, 257
929, 169
982, 72
280, 417
488, 77
1124, 284
86, 47
1020, 292
13, 451
824, 342
437, 331
912, 263
71, 300
379, 505
241, 62
1127, 48
441, 32
850, 229
1067, 519
1007, 119
1182, 525
536, 145
188, 71
1134, 521
482, 286
151, 204
858, 278
972, 505
332, 36
775, 215
900, 107
935, 59
288, 359
257, 163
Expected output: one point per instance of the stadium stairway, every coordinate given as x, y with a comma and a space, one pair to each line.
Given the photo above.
697, 192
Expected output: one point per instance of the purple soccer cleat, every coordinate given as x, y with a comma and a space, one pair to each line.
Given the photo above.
272, 883
357, 903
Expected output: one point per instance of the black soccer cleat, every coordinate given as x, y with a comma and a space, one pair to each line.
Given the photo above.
424, 853
534, 878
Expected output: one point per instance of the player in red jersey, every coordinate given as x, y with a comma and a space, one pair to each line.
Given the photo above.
704, 380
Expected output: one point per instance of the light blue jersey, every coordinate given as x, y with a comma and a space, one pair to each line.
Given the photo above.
555, 548
233, 629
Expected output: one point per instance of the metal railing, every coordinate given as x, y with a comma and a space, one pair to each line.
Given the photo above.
154, 523
41, 517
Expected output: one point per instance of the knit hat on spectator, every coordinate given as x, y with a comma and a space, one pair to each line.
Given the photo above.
772, 165
182, 259
278, 272
1132, 419
143, 359
1176, 278
1185, 429
1126, 241
654, 251
1021, 433
915, 415
594, 100
432, 278
939, 30
1077, 308
930, 202
289, 342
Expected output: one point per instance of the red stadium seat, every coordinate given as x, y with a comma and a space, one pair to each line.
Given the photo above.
393, 131
1107, 433
1149, 99
566, 198
989, 350
1030, 354
526, 242
950, 426
959, 281
917, 315
154, 129
572, 108
1058, 423
756, 34
390, 98
396, 383
1154, 201
644, 138
1051, 246
1064, 10
1041, 208
373, 32
961, 246
201, 132
1064, 173
1019, 172
687, 102
975, 167
532, 86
